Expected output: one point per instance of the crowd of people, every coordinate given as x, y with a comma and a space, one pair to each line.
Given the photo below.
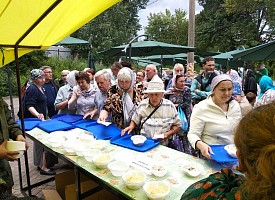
213, 103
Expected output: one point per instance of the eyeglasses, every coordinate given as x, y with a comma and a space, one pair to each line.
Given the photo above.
140, 75
48, 72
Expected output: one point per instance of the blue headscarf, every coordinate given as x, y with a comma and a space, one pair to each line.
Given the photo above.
266, 83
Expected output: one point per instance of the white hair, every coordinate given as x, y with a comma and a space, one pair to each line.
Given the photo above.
125, 74
105, 73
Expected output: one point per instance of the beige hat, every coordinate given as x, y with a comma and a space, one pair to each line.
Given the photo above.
155, 87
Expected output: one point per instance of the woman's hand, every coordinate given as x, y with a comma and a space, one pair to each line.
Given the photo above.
40, 116
22, 139
205, 149
78, 93
90, 115
128, 129
103, 115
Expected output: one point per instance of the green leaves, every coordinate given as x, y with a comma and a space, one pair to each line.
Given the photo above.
167, 27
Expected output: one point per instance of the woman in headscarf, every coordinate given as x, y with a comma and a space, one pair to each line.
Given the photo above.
35, 106
64, 94
180, 95
267, 94
122, 99
250, 84
213, 119
178, 69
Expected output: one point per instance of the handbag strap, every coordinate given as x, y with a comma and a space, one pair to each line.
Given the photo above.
149, 116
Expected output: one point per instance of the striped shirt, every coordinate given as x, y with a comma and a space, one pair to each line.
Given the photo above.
160, 122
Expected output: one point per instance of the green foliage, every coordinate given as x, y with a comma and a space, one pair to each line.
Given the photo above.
113, 27
169, 28
261, 11
217, 30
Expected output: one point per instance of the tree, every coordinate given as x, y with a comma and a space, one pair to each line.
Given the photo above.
217, 30
169, 28
113, 27
262, 13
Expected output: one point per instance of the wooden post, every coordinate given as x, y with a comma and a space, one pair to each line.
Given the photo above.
191, 30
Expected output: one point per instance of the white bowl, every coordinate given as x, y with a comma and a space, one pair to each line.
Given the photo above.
138, 140
56, 141
159, 170
16, 146
156, 190
102, 160
231, 150
69, 146
90, 154
192, 169
84, 137
134, 179
79, 149
117, 168
98, 144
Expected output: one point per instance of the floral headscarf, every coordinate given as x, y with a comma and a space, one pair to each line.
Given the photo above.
36, 73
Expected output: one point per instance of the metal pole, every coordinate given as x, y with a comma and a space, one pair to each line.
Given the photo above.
191, 30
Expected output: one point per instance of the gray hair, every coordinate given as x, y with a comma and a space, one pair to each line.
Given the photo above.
125, 74
105, 73
45, 67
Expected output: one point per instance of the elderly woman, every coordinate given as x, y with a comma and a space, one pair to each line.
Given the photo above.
178, 69
155, 117
180, 95
214, 119
121, 99
83, 95
35, 106
267, 94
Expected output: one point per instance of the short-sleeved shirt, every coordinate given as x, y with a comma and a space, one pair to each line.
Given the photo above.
160, 122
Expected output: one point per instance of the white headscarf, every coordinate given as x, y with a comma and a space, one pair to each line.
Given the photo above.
71, 78
128, 106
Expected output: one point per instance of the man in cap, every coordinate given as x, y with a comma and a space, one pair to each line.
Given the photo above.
155, 116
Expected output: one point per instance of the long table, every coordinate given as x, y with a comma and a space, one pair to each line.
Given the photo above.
178, 181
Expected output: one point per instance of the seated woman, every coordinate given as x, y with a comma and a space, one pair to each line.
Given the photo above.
180, 95
255, 142
155, 117
83, 95
267, 94
214, 119
122, 99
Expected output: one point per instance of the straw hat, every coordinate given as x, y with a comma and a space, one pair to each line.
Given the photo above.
155, 87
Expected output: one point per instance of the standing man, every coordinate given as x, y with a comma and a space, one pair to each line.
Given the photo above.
64, 94
200, 87
50, 90
152, 73
63, 80
103, 80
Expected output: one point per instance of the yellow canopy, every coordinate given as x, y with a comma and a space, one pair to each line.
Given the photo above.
38, 24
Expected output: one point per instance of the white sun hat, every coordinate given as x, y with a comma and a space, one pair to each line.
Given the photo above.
155, 87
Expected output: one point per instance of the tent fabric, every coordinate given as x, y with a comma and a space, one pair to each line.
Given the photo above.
70, 41
148, 48
65, 17
261, 52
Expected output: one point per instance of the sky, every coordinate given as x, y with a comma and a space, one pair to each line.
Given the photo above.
156, 6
